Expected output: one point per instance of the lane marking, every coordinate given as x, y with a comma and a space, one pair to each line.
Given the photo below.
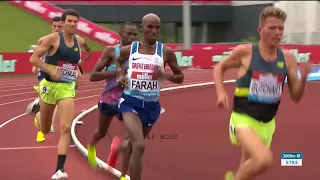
86, 97
32, 147
12, 119
95, 89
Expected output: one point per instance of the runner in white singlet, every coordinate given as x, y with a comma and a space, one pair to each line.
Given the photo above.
139, 106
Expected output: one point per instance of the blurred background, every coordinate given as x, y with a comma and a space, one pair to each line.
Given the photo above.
212, 21
202, 33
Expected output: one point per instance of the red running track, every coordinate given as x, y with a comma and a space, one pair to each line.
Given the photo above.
202, 149
22, 157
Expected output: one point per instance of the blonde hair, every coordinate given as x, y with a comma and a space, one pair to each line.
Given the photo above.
271, 11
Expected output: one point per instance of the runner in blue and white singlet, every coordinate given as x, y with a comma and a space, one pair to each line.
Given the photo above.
139, 106
142, 75
105, 69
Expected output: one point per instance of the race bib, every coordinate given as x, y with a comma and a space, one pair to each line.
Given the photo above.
265, 88
69, 72
144, 83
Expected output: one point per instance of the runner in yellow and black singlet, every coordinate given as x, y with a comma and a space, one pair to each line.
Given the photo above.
56, 26
61, 73
259, 86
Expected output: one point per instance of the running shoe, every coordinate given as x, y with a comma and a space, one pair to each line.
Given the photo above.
92, 155
60, 175
52, 129
33, 107
36, 88
123, 178
40, 137
113, 156
229, 176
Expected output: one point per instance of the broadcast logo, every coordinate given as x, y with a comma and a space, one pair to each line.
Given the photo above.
291, 159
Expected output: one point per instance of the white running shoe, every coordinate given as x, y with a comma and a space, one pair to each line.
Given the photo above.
59, 175
33, 106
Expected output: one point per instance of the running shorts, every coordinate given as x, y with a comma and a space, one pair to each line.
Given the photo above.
52, 92
148, 112
263, 130
108, 109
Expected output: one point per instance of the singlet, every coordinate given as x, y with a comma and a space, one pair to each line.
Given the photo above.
67, 59
258, 92
142, 76
111, 93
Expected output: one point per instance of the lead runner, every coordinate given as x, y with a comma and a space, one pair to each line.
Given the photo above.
139, 106
262, 71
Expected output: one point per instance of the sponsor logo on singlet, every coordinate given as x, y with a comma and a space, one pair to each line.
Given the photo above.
144, 80
265, 88
69, 72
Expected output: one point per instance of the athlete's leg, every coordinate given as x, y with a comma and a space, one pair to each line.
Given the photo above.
126, 149
54, 117
45, 120
260, 156
105, 118
133, 126
66, 112
104, 123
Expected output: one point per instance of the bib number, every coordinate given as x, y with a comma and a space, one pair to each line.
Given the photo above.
265, 88
44, 89
68, 71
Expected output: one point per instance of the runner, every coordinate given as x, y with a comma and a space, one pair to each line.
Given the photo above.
262, 71
105, 69
58, 86
56, 26
139, 105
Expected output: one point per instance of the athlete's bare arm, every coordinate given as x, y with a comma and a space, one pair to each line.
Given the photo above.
296, 85
120, 60
34, 69
45, 46
171, 60
234, 60
83, 44
124, 56
107, 56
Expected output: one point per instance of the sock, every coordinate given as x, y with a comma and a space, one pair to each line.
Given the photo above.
60, 163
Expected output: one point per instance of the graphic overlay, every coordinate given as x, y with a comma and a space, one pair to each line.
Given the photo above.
291, 159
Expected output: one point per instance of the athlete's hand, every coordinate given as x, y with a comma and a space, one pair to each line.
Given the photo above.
55, 74
34, 69
122, 80
223, 100
79, 80
305, 69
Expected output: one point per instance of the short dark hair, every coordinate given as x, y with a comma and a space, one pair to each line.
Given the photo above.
56, 19
126, 24
69, 12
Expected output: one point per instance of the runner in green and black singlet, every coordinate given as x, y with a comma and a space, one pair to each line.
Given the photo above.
58, 87
262, 70
258, 92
